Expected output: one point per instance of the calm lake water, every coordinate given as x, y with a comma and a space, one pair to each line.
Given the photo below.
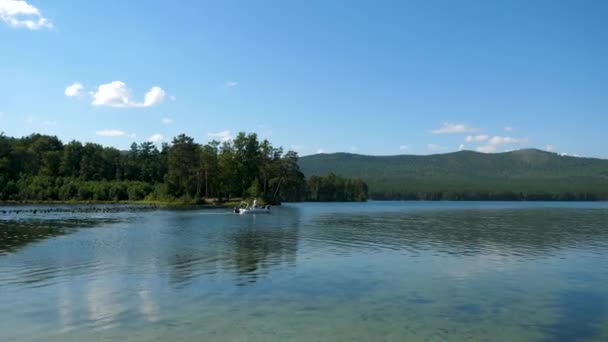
377, 271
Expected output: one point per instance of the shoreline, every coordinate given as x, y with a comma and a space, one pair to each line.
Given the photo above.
151, 204
232, 204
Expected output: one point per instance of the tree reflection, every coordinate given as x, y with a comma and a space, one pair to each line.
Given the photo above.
250, 246
257, 250
16, 234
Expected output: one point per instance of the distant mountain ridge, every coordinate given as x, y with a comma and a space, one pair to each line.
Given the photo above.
527, 174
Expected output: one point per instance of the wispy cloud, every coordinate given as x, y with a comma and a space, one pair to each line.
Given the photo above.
114, 133
508, 129
156, 138
231, 84
404, 147
493, 143
264, 131
319, 151
461, 147
449, 128
20, 14
550, 148
32, 120
434, 147
222, 135
472, 138
166, 120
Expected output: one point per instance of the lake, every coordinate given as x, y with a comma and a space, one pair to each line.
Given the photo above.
376, 271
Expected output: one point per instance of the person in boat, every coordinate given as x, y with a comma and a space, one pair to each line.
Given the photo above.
255, 203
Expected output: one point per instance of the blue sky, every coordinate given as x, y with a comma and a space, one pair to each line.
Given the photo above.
371, 77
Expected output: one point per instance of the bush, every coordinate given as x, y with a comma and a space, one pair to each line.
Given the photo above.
138, 191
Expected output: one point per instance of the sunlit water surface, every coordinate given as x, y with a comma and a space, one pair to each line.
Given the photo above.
372, 271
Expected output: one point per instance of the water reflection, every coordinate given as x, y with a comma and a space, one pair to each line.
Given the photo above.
148, 306
306, 274
499, 233
251, 246
257, 250
581, 314
18, 233
104, 303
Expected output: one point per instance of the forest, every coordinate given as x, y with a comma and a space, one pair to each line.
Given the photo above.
40, 168
521, 175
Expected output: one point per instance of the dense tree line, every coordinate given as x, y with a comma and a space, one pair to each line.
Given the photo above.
335, 188
487, 195
523, 175
42, 168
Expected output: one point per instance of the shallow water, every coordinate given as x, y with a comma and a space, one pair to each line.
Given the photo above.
377, 271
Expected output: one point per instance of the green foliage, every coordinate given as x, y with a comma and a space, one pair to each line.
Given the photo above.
466, 175
42, 168
331, 188
183, 161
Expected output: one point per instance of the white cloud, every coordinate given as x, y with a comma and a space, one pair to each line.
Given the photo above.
481, 137
156, 138
354, 148
222, 136
172, 98
493, 143
76, 89
117, 94
320, 151
461, 147
550, 148
508, 129
166, 120
20, 14
404, 147
434, 147
230, 84
114, 94
154, 96
114, 133
448, 127
564, 154
487, 149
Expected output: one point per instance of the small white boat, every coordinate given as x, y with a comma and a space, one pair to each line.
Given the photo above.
245, 208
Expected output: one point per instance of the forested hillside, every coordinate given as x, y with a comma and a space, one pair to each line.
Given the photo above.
518, 175
43, 168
